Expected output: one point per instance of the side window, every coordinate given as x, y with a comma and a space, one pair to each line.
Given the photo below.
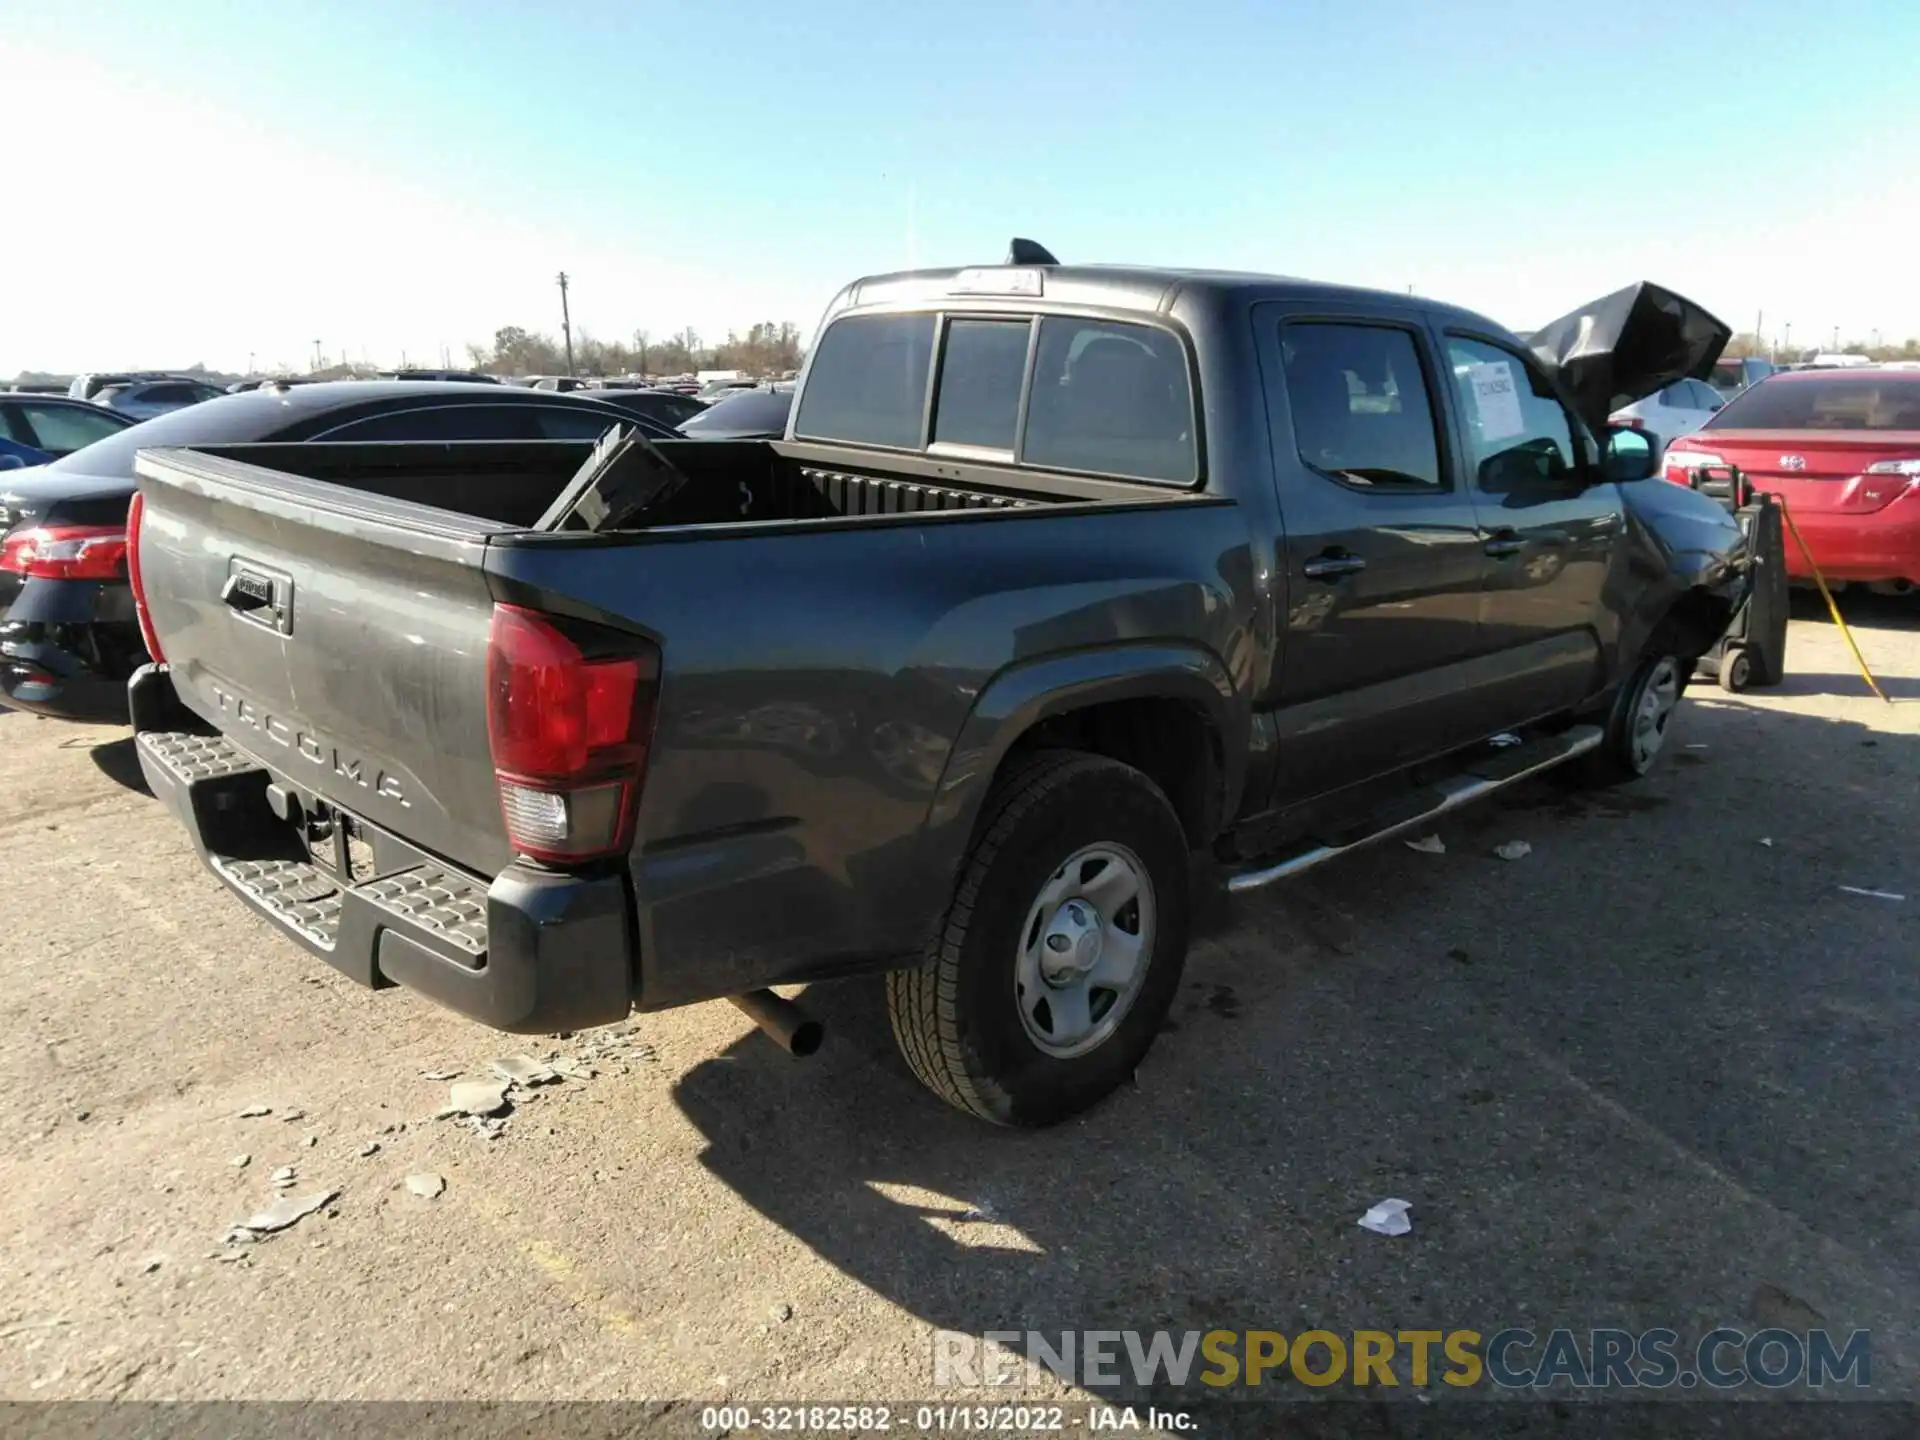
443, 422
558, 422
868, 382
1517, 431
1359, 401
167, 395
62, 428
978, 402
1705, 397
1111, 399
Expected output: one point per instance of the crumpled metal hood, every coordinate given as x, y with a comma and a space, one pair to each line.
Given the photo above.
1625, 346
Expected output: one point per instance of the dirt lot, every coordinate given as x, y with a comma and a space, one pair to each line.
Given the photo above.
1655, 1073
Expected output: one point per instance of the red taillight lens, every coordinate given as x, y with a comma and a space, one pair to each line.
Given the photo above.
67, 552
141, 613
569, 728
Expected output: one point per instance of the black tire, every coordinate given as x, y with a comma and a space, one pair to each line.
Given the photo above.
1623, 754
1736, 669
957, 1017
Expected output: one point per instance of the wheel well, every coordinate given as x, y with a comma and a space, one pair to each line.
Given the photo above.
1694, 622
1171, 742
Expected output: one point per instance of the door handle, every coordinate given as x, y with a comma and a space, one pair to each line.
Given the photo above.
241, 596
1333, 565
1503, 543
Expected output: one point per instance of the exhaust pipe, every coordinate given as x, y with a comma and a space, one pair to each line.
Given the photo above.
782, 1022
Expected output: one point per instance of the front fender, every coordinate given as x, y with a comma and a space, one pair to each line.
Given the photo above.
1023, 695
1680, 542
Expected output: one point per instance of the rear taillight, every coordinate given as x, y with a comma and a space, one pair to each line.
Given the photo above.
569, 719
67, 552
140, 610
1680, 464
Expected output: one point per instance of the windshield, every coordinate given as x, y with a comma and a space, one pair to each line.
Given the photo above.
1834, 401
755, 410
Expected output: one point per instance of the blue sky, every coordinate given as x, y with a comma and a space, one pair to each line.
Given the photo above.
407, 174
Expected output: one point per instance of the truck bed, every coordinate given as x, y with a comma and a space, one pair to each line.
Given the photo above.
512, 483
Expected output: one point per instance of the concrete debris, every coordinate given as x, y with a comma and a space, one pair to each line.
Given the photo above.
440, 1074
152, 1263
372, 1147
293, 1115
447, 1112
479, 1097
240, 1162
311, 1141
1428, 845
227, 1257
1513, 850
426, 1186
524, 1070
284, 1212
1389, 1217
573, 1069
781, 1313
487, 1129
283, 1177
254, 1112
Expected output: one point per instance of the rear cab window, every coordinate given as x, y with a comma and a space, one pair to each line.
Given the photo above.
1059, 392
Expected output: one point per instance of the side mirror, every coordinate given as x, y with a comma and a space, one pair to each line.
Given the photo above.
1629, 455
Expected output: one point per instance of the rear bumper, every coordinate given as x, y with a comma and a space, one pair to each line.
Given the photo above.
1881, 545
530, 952
52, 633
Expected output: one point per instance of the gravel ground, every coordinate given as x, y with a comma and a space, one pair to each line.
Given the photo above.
1655, 1073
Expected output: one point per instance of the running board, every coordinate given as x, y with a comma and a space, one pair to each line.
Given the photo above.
1494, 772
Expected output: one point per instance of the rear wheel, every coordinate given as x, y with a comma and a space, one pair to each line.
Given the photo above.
1061, 949
1736, 669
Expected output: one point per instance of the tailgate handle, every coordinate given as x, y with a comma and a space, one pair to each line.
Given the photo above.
243, 596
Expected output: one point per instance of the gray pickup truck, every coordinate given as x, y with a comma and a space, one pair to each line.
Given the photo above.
1061, 579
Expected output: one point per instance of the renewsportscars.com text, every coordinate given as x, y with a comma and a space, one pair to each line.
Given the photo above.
1510, 1359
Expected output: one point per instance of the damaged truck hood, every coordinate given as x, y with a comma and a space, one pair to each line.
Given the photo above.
1623, 347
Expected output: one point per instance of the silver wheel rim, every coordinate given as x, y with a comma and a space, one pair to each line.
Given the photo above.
1084, 950
1659, 695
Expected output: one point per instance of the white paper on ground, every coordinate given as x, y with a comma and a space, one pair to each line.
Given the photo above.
1389, 1217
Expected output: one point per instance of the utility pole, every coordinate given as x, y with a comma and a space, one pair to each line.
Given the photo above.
566, 323
250, 369
1786, 342
1836, 339
1759, 319
316, 356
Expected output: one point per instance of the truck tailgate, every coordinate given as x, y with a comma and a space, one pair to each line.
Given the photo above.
339, 637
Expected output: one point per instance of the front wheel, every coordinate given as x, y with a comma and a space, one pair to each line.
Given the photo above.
1061, 950
1637, 724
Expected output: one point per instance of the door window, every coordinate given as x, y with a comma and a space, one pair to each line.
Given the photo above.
565, 422
1517, 431
1360, 407
63, 428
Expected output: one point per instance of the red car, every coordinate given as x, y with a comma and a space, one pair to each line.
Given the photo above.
1842, 449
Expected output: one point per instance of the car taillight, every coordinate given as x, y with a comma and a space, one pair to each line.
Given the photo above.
140, 611
569, 719
67, 552
1680, 463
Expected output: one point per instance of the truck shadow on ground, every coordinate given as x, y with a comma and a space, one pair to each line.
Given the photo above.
1519, 1049
120, 763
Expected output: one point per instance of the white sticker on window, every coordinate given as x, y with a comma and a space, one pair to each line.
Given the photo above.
1497, 400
